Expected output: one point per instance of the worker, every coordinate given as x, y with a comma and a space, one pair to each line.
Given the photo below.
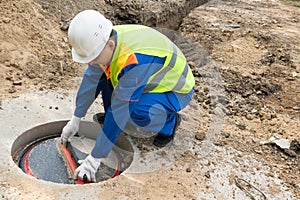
143, 77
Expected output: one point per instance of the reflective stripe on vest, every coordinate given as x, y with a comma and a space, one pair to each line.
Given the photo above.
159, 76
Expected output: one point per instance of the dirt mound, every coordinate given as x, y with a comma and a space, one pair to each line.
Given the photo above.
33, 50
256, 47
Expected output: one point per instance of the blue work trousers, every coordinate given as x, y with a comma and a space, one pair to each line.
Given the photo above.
154, 112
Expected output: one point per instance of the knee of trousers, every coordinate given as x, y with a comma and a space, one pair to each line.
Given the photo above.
140, 118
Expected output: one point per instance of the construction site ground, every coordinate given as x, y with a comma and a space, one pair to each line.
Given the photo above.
245, 55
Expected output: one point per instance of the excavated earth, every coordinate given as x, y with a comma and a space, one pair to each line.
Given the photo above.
245, 56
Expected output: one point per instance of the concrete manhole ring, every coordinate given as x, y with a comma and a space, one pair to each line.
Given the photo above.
37, 153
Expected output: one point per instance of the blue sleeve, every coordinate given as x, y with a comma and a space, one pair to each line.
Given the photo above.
132, 82
88, 90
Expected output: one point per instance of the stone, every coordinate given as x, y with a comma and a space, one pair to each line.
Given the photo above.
17, 83
295, 146
12, 89
6, 20
200, 135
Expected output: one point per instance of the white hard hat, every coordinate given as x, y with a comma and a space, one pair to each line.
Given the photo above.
88, 33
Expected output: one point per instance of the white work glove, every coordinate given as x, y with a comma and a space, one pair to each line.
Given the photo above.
71, 128
88, 167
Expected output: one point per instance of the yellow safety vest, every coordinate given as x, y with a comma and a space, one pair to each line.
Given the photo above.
175, 75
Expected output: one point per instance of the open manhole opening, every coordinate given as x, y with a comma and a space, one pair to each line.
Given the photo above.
38, 153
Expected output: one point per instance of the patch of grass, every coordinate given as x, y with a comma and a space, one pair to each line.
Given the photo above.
286, 2
295, 3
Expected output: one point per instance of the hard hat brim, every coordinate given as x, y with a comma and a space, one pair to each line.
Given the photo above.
85, 60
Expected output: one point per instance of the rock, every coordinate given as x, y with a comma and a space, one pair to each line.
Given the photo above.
226, 134
254, 111
31, 75
6, 20
265, 115
219, 110
295, 145
17, 83
249, 116
258, 151
294, 74
291, 78
290, 153
188, 169
223, 100
64, 26
247, 94
241, 126
65, 39
12, 89
45, 6
51, 77
220, 143
9, 77
192, 64
200, 135
296, 108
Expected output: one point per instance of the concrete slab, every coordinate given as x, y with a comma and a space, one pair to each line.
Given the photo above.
17, 116
211, 174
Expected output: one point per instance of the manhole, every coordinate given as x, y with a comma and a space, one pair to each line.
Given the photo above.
38, 153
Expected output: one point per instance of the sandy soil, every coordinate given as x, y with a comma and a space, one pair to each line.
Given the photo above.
245, 56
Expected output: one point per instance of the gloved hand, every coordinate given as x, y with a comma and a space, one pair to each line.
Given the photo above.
71, 128
88, 167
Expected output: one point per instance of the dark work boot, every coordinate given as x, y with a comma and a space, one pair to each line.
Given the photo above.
163, 140
99, 118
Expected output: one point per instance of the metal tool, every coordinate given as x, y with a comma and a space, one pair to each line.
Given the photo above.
69, 155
